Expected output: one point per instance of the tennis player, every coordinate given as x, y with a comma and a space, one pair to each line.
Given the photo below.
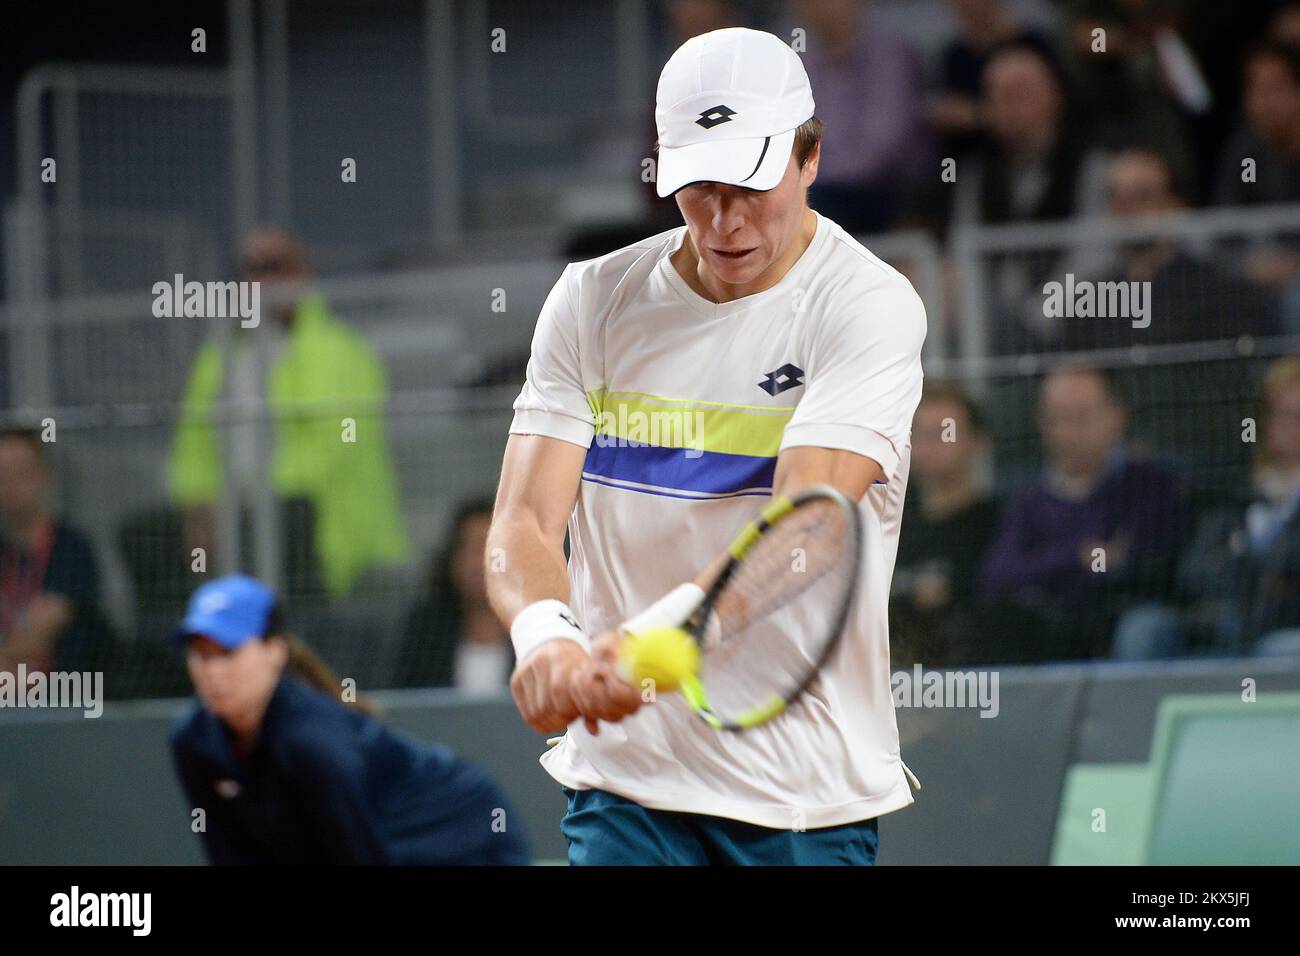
674, 386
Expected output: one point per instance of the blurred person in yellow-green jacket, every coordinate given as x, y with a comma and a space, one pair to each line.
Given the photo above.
338, 488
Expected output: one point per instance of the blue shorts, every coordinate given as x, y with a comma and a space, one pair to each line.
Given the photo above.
604, 829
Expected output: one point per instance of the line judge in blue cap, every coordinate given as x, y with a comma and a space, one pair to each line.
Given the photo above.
289, 774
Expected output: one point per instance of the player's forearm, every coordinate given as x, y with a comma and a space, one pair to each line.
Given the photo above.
523, 566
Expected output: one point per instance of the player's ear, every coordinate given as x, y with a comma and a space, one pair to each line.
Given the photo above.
808, 174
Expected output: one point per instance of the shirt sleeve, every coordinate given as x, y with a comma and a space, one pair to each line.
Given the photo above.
553, 401
863, 378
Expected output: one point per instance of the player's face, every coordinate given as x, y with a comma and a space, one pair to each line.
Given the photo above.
743, 237
233, 685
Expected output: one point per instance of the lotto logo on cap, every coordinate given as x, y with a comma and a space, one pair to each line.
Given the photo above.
727, 107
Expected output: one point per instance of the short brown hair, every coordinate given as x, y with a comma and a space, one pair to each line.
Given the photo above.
808, 135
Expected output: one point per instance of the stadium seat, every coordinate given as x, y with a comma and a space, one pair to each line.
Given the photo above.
1222, 788
1226, 781
1123, 791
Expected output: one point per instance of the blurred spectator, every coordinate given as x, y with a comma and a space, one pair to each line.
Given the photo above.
452, 638
1239, 581
948, 524
1220, 35
870, 94
984, 26
1144, 87
289, 773
1189, 298
340, 496
1285, 25
49, 581
1100, 533
686, 19
1035, 167
1271, 140
1271, 134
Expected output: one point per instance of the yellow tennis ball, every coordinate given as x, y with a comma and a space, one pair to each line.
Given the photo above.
665, 655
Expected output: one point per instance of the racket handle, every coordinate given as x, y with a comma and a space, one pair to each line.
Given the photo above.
671, 610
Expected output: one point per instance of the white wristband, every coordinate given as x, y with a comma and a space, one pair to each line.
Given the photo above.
542, 621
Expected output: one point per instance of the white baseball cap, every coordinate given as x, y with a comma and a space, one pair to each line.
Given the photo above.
727, 107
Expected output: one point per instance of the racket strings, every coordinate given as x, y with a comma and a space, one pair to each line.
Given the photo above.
788, 559
772, 614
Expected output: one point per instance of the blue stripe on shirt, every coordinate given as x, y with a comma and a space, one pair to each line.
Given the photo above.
680, 469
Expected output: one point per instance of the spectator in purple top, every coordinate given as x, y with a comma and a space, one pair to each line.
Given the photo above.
870, 95
1099, 534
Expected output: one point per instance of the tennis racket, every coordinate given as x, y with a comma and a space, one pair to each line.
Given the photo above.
776, 611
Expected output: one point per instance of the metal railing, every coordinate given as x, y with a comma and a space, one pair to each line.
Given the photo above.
1087, 241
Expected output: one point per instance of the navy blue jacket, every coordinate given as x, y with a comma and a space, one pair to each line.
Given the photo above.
325, 784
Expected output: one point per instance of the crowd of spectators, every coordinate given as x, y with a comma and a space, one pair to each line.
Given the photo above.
1106, 554
1125, 109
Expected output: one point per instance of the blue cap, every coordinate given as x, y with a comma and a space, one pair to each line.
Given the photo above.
230, 610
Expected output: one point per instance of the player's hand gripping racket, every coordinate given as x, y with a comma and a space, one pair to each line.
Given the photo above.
769, 621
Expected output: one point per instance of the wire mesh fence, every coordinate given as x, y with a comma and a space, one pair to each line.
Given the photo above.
419, 618
375, 540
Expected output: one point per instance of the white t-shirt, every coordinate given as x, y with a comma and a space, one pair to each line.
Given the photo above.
710, 393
